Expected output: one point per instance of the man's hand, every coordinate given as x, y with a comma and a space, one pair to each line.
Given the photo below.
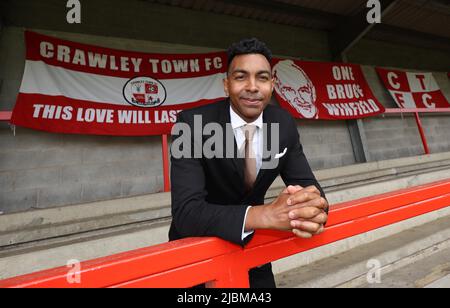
306, 197
276, 214
279, 211
299, 209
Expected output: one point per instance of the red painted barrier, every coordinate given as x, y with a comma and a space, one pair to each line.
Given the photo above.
5, 115
192, 261
165, 159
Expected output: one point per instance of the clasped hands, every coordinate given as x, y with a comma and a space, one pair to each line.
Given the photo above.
301, 210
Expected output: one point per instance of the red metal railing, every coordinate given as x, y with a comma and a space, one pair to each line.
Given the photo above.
218, 263
5, 115
165, 158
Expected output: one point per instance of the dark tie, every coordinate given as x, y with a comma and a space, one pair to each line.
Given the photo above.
250, 157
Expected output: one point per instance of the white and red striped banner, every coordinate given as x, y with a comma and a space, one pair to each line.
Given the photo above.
413, 90
69, 87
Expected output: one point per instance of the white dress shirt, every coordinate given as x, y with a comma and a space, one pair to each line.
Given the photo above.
237, 123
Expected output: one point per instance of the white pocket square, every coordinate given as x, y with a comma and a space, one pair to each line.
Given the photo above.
279, 155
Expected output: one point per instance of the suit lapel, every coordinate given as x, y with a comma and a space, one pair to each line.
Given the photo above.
236, 163
267, 143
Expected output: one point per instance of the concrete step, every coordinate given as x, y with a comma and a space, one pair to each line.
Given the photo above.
440, 283
340, 184
385, 175
127, 213
415, 257
362, 174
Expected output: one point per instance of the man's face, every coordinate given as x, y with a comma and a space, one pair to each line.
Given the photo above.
249, 85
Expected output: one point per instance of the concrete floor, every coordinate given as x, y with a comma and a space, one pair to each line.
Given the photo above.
433, 271
441, 283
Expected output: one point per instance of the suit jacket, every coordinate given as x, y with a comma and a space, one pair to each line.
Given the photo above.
208, 195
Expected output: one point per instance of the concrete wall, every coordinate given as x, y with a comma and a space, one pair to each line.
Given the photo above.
39, 170
326, 144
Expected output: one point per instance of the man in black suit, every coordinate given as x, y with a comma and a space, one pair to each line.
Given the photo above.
223, 195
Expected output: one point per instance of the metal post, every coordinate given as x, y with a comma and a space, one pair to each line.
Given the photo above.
165, 158
357, 133
422, 133
359, 141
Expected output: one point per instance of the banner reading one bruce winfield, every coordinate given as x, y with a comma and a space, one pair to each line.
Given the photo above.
69, 87
322, 90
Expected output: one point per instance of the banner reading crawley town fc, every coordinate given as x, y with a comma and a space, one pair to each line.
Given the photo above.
76, 88
317, 90
413, 90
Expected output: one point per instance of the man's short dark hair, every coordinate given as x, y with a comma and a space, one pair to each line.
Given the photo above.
248, 46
